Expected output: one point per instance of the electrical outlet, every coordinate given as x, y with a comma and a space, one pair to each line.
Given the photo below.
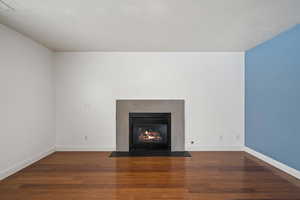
221, 137
86, 138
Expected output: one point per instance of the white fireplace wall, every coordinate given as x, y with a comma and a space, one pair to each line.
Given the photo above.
88, 84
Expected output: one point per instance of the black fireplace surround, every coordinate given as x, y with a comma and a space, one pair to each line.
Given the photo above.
149, 132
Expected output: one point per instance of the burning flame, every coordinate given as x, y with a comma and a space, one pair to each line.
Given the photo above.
150, 136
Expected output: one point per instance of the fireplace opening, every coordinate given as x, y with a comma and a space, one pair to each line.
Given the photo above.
149, 132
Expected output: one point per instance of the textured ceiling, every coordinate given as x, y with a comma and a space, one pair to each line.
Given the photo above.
151, 25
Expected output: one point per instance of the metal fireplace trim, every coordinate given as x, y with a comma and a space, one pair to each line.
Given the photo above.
133, 116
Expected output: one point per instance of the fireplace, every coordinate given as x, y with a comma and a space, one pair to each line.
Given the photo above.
145, 128
149, 132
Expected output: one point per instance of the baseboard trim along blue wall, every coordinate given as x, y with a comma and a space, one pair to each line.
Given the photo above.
272, 98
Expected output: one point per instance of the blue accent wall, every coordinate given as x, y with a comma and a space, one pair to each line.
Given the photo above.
272, 98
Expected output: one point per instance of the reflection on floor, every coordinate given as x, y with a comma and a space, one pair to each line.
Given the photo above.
95, 175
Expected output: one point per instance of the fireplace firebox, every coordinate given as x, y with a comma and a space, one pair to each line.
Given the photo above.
149, 132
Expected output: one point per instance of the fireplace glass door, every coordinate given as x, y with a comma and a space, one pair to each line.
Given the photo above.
150, 131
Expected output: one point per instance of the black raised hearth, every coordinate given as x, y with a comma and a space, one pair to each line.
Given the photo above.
149, 132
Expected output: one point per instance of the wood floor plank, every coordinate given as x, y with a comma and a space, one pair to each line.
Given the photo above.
205, 175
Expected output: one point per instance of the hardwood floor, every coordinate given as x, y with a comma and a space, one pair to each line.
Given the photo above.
205, 176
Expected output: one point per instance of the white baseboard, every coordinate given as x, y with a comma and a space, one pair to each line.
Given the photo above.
214, 148
109, 148
83, 148
275, 163
21, 165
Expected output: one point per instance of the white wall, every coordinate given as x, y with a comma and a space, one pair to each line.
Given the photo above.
26, 101
87, 85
